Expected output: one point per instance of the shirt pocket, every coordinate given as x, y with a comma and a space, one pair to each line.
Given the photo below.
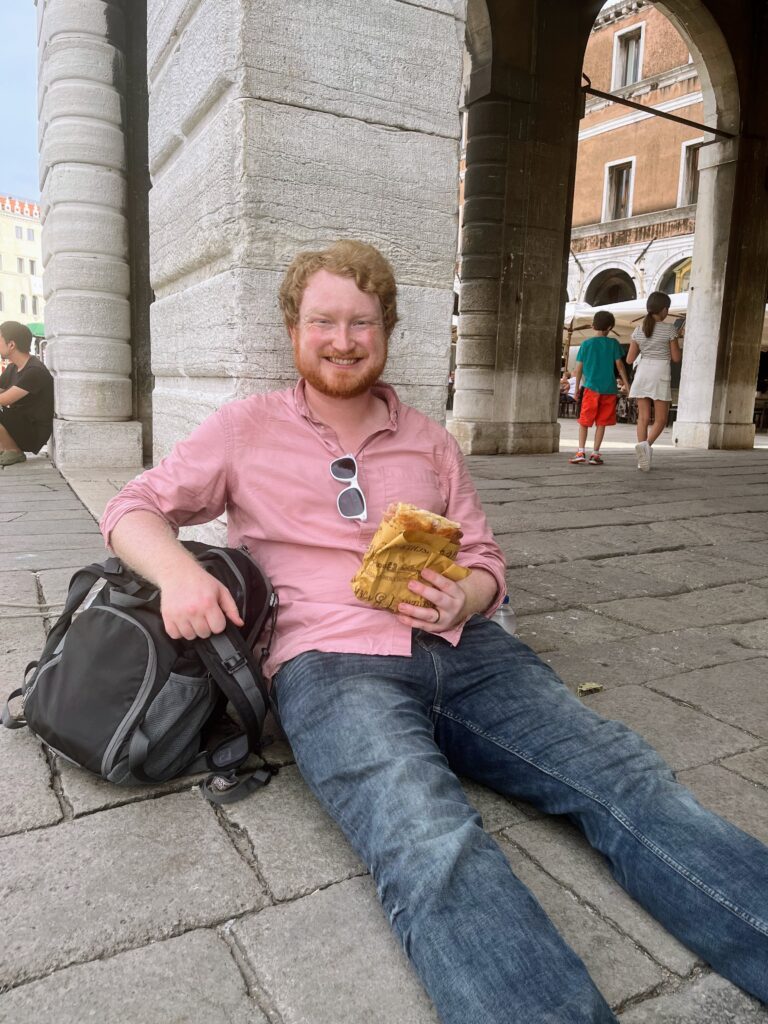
419, 487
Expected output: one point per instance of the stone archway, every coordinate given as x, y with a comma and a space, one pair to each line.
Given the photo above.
521, 144
612, 284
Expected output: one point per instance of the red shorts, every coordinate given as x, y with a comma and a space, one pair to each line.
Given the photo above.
598, 409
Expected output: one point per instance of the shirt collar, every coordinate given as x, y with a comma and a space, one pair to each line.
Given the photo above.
381, 390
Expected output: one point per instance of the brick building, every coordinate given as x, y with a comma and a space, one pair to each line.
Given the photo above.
634, 208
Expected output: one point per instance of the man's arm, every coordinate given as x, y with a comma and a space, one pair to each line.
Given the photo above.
12, 394
579, 367
139, 523
192, 602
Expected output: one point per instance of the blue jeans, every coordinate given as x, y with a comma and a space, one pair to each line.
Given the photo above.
380, 739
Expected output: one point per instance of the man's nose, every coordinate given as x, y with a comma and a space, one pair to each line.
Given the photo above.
342, 338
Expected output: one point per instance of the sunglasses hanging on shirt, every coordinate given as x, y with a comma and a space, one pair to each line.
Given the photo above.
351, 501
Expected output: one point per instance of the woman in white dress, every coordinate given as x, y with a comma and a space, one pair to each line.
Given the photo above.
658, 346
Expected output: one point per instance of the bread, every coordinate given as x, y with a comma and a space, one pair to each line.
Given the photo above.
402, 517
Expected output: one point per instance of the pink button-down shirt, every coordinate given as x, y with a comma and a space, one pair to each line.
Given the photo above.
266, 462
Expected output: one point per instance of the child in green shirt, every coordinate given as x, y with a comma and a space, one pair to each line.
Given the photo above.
598, 361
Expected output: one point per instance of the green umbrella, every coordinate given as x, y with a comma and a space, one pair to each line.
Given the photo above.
37, 329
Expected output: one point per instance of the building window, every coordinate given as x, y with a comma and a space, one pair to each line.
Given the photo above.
618, 191
20, 264
628, 57
689, 174
33, 267
23, 303
30, 234
34, 305
19, 232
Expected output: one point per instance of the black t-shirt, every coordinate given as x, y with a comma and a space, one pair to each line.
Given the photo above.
36, 379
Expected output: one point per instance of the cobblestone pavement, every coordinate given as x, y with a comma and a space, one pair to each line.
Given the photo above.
149, 906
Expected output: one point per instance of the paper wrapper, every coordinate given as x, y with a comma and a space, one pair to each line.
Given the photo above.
395, 557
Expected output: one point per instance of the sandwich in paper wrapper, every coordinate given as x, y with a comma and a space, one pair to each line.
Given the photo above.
408, 540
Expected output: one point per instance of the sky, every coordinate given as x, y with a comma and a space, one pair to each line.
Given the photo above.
18, 100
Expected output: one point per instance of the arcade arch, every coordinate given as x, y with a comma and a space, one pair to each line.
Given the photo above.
612, 284
522, 127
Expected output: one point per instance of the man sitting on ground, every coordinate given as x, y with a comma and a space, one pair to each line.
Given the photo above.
26, 396
384, 711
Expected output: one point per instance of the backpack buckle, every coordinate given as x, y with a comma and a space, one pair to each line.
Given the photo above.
233, 663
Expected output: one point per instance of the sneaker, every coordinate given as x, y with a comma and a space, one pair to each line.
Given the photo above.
11, 458
578, 457
595, 459
643, 452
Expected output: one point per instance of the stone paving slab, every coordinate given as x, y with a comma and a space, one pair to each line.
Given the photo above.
45, 514
189, 980
737, 694
722, 530
330, 958
736, 602
685, 738
496, 811
705, 1000
21, 641
18, 593
583, 584
598, 542
548, 631
55, 558
618, 967
19, 529
565, 855
26, 797
752, 766
751, 552
60, 541
651, 656
725, 793
85, 793
298, 848
683, 570
55, 584
114, 880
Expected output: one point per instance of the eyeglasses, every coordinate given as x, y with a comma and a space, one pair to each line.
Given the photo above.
351, 501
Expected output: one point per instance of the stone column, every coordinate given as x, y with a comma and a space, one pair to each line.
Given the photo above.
521, 158
727, 299
85, 233
276, 127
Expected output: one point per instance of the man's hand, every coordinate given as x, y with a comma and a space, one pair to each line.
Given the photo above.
454, 601
194, 603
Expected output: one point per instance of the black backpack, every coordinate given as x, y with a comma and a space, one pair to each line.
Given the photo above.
114, 694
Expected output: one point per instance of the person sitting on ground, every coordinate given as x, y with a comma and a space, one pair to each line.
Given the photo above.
658, 345
384, 711
598, 361
26, 396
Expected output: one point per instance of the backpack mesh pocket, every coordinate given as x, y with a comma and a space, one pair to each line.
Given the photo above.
175, 718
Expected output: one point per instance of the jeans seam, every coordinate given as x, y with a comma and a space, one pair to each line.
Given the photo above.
714, 894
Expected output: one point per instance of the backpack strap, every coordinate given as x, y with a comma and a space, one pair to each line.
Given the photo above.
231, 665
229, 662
228, 789
9, 720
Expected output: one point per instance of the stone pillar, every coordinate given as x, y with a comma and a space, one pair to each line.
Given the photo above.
521, 158
267, 137
727, 299
85, 233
